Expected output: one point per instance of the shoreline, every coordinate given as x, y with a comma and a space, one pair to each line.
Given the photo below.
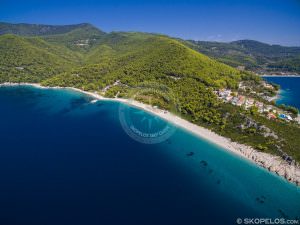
278, 95
291, 75
272, 163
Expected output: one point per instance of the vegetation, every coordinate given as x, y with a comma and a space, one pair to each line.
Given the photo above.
31, 60
252, 55
122, 64
288, 108
23, 29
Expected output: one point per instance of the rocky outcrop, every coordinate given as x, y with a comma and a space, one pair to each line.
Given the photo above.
290, 171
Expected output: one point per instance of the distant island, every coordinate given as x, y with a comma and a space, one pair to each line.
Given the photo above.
234, 103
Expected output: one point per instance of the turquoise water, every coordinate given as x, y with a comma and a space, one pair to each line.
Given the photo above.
290, 91
66, 160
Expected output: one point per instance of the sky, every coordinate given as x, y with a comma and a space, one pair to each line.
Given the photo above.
270, 21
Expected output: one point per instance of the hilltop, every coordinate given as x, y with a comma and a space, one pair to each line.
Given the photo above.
24, 29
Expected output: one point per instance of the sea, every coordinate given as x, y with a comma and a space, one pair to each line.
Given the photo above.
68, 159
289, 89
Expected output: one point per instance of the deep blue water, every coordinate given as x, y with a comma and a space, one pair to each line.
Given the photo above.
64, 160
290, 90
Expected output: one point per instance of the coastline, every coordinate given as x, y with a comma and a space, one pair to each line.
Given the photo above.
270, 162
274, 75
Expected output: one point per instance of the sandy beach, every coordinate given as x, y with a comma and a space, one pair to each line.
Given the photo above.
272, 163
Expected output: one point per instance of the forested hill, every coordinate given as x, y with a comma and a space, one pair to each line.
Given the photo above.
263, 49
140, 54
24, 29
32, 59
120, 64
244, 54
253, 55
76, 37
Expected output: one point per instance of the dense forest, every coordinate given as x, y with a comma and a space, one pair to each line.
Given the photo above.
252, 55
84, 57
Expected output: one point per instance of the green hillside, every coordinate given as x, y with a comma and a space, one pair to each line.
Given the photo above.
31, 60
253, 55
78, 37
248, 54
136, 57
24, 29
82, 38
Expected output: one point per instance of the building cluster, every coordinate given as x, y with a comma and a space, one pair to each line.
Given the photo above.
267, 85
244, 87
235, 98
84, 42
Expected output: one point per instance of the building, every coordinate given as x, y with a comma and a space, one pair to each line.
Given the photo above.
241, 100
267, 108
271, 116
260, 106
249, 103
